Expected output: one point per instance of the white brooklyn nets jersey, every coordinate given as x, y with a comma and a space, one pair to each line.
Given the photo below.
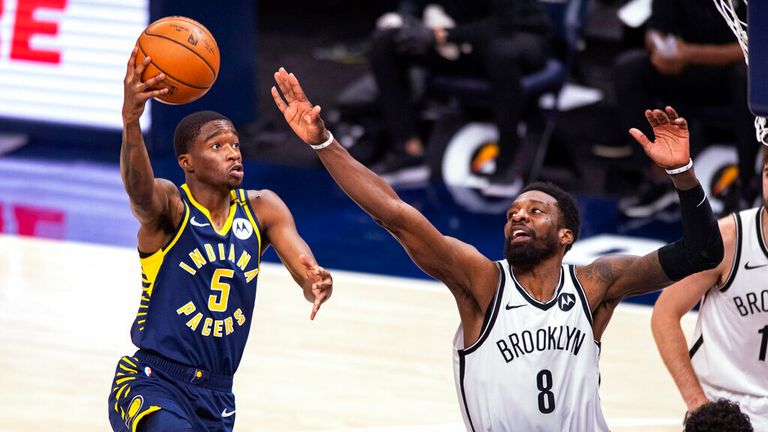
731, 335
535, 365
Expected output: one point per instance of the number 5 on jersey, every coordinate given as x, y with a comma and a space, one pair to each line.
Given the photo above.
218, 303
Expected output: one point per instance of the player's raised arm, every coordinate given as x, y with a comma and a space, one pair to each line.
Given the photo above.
471, 277
149, 197
701, 246
674, 302
280, 232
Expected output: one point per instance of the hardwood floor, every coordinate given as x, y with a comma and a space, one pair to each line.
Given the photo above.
377, 358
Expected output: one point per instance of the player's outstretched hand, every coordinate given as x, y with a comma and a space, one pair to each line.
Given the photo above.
671, 147
303, 117
137, 93
320, 282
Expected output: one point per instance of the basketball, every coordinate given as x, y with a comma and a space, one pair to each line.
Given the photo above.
186, 52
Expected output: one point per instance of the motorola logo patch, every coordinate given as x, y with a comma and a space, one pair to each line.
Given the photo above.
566, 301
242, 228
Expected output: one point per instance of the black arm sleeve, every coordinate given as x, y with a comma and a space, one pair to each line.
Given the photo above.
701, 247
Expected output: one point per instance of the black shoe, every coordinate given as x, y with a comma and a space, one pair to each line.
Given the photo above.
399, 168
504, 184
649, 200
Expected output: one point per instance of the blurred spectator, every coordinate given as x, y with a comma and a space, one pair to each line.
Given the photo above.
693, 61
496, 39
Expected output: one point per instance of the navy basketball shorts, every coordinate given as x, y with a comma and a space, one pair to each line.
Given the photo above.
150, 393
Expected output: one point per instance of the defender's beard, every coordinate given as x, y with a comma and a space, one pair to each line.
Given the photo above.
531, 253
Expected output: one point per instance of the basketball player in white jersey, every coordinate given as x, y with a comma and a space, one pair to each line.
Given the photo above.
527, 348
727, 358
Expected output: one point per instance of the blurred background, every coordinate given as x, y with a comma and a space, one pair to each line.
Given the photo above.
62, 62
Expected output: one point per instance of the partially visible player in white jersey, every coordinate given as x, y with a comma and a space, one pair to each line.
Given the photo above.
727, 357
527, 346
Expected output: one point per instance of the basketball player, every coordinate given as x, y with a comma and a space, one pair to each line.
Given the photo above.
728, 356
200, 249
527, 349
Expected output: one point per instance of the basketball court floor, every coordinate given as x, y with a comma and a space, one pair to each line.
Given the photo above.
376, 359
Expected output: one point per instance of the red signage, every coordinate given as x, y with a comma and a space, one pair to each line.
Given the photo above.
26, 25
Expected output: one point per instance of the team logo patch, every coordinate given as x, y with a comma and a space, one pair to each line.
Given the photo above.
243, 228
133, 409
566, 301
148, 371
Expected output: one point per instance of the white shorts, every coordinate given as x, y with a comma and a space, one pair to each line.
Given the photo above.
755, 407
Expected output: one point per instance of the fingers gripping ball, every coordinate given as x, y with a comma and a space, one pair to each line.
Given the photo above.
186, 52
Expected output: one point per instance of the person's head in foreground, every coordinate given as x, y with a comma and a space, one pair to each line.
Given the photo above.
722, 415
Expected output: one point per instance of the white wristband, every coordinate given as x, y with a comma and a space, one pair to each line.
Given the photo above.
682, 169
325, 144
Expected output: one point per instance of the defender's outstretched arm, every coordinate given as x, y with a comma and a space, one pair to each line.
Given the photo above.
468, 274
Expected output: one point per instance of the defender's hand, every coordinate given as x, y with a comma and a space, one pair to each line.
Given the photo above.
137, 93
671, 147
319, 281
303, 117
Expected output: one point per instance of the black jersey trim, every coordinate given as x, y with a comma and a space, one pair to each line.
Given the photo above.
490, 313
541, 305
736, 256
462, 369
696, 346
759, 229
581, 292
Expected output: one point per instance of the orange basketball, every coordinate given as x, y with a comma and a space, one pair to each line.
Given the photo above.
186, 52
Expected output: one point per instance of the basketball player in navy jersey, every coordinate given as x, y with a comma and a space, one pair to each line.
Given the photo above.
200, 249
728, 357
527, 348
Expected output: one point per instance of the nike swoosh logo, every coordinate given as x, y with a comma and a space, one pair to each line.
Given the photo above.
196, 223
226, 413
510, 307
752, 267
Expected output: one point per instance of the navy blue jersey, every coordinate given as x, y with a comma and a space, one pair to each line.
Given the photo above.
199, 290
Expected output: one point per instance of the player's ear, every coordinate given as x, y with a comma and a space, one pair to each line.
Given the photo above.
185, 163
566, 236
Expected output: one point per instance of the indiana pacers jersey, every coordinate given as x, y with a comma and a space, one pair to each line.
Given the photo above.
731, 334
535, 365
199, 290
